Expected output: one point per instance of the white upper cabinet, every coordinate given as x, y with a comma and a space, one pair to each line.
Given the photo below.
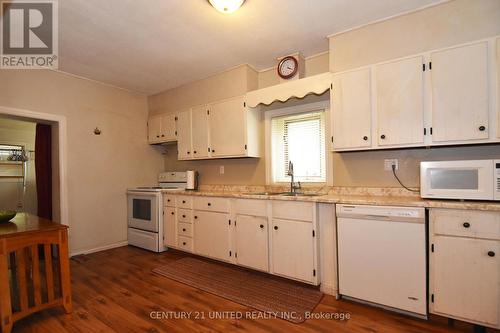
351, 110
460, 95
400, 102
154, 129
161, 128
233, 129
168, 128
184, 134
199, 132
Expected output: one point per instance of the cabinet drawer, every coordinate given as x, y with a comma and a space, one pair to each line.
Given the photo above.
466, 223
251, 207
185, 229
293, 210
183, 201
184, 215
212, 204
185, 244
169, 200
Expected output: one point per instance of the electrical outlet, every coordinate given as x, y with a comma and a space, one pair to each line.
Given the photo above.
221, 170
388, 163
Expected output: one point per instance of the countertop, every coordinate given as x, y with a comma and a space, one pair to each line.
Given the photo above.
344, 198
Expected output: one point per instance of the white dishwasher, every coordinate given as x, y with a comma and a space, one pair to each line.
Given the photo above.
382, 256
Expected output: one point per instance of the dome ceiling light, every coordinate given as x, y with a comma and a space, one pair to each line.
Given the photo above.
226, 6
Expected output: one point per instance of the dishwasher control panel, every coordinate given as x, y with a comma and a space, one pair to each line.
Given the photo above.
383, 212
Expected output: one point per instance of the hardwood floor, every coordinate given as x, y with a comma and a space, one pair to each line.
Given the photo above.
115, 291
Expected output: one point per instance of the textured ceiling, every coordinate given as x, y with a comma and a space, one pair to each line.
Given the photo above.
153, 45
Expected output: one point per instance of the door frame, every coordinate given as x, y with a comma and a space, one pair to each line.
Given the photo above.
60, 120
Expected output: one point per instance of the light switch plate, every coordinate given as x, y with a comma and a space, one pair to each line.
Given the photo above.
388, 163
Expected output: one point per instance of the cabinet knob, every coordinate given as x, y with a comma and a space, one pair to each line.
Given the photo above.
195, 217
184, 216
491, 253
168, 200
163, 135
183, 243
213, 150
365, 138
189, 152
275, 227
172, 213
194, 152
262, 226
382, 136
183, 201
183, 229
157, 136
482, 128
209, 204
466, 225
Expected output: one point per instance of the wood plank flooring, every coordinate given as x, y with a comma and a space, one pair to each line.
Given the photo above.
115, 291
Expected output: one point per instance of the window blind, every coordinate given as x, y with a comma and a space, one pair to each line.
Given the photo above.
299, 139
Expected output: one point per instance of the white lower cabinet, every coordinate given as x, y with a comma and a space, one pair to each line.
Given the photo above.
211, 234
293, 250
465, 269
251, 240
170, 227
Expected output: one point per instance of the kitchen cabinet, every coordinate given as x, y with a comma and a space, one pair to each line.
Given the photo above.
251, 237
234, 129
293, 252
351, 110
464, 267
199, 132
184, 134
170, 227
211, 234
460, 93
400, 102
162, 128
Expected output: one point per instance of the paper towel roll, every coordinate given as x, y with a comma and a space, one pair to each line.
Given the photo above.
191, 180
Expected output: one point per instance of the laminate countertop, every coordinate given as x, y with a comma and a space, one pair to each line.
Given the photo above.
342, 198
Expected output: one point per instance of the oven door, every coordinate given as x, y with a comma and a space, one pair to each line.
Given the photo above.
143, 210
457, 179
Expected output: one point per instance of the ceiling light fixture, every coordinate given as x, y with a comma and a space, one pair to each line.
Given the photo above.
226, 6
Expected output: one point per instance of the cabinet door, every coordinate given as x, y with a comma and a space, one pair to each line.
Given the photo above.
351, 114
466, 279
211, 234
293, 249
200, 131
400, 102
168, 128
154, 129
228, 128
460, 93
252, 242
170, 227
184, 134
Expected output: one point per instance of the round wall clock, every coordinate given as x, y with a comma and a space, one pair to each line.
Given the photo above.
288, 67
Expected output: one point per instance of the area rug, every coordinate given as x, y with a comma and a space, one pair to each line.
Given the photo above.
274, 296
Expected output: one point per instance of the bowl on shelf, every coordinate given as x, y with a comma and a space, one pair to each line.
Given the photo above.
7, 215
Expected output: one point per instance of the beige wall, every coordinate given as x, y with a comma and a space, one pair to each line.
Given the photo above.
100, 168
231, 83
12, 195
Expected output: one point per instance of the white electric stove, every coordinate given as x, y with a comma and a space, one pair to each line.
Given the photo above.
145, 211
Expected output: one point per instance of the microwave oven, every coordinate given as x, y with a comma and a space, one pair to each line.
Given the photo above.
466, 180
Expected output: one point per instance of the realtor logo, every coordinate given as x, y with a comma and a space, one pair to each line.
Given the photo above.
29, 35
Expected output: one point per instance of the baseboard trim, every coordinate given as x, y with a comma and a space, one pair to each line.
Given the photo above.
99, 249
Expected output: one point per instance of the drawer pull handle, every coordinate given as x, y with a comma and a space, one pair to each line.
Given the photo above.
183, 243
491, 253
183, 229
275, 227
195, 217
466, 225
183, 216
262, 226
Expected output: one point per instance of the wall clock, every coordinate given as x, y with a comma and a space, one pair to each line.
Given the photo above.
288, 67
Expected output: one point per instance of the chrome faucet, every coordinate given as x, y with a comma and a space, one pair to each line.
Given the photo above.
293, 187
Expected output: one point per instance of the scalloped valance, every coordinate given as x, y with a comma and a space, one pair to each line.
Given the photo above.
316, 84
